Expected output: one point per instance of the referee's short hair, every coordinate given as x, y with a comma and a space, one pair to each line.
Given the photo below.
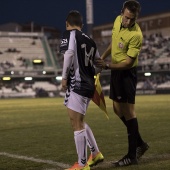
132, 5
74, 18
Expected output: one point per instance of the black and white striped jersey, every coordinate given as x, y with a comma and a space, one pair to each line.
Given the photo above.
80, 53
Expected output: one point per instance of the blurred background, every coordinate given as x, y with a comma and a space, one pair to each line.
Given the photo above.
30, 34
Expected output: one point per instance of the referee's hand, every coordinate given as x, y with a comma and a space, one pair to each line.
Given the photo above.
100, 63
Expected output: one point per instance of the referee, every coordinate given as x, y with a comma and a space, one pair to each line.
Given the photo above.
124, 49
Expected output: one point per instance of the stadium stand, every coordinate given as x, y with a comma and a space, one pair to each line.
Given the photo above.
19, 50
32, 52
155, 54
27, 55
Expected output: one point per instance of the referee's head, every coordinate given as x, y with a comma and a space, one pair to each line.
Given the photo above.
130, 12
132, 5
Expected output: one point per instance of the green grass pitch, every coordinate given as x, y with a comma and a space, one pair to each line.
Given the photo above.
39, 128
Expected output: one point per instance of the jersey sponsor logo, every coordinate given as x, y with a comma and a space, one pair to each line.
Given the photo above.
88, 56
64, 41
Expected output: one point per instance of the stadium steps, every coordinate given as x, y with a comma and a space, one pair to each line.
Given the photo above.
48, 52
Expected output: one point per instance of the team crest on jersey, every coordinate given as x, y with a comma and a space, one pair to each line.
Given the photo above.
121, 45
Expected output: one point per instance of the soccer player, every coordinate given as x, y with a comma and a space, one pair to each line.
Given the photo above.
80, 53
124, 49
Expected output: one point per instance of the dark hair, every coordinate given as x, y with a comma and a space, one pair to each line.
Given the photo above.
74, 18
132, 5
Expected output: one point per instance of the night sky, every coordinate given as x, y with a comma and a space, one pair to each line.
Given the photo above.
54, 12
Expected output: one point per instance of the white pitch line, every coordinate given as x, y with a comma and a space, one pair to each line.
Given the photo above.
50, 162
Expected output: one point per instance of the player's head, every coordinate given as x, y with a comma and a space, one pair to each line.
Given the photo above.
74, 19
130, 12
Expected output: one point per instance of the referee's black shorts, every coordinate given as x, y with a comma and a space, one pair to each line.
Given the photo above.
123, 85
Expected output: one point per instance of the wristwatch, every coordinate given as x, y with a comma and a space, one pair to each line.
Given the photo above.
106, 66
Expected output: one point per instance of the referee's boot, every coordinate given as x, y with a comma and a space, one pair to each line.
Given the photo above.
125, 161
141, 150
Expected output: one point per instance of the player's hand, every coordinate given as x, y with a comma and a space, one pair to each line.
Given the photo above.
64, 84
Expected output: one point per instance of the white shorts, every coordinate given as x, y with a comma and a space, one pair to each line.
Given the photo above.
76, 102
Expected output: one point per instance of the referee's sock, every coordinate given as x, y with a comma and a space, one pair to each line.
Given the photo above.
132, 126
139, 138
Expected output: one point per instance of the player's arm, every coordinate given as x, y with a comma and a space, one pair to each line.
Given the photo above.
67, 49
107, 52
68, 57
96, 58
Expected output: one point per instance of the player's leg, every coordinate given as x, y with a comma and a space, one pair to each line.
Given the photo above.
80, 136
77, 106
96, 156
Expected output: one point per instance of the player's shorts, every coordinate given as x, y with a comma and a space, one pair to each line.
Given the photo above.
76, 102
123, 85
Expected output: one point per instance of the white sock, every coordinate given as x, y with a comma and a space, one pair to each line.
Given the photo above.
91, 142
81, 146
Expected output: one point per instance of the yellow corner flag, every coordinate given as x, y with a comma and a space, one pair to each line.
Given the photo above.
98, 97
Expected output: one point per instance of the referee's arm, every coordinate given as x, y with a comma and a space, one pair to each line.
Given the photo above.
127, 64
107, 52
